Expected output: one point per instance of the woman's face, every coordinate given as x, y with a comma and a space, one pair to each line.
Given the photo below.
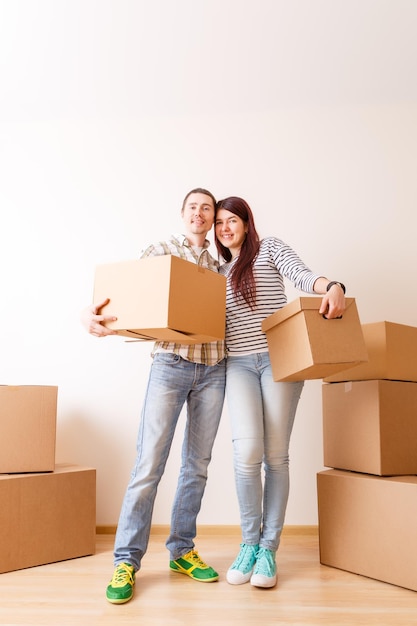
230, 230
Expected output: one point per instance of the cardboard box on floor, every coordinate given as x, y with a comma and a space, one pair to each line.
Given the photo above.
163, 298
367, 525
48, 517
27, 428
392, 350
304, 345
370, 426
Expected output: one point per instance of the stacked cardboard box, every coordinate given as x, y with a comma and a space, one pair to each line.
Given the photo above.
368, 501
48, 510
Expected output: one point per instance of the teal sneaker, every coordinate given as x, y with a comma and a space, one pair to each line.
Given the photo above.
265, 572
240, 571
194, 567
120, 589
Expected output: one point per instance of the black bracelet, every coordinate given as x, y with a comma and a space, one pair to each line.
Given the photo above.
336, 282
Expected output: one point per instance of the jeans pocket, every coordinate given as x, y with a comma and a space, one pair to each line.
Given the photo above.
166, 358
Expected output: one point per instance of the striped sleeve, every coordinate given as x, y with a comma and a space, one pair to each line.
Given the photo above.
275, 262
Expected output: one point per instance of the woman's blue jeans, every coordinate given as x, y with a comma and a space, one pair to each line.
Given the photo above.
172, 383
262, 415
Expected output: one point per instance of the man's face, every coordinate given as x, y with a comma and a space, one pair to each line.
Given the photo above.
198, 213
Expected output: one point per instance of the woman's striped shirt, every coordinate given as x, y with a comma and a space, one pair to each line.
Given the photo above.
274, 262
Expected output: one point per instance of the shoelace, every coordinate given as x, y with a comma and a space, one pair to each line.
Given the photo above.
196, 559
245, 556
122, 576
265, 562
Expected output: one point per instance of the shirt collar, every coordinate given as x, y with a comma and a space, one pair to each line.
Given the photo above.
182, 239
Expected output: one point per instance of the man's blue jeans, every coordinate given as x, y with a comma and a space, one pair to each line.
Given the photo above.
172, 383
262, 415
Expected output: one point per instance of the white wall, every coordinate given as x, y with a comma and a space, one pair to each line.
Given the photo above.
111, 110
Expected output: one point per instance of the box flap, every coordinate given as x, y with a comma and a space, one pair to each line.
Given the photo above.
166, 334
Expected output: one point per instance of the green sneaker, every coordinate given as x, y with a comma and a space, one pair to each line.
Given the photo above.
194, 567
120, 588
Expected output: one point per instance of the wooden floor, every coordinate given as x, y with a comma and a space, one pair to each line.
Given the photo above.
72, 592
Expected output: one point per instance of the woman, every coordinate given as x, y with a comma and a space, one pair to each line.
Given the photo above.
262, 411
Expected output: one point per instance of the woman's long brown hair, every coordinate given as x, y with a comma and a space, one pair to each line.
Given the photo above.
241, 275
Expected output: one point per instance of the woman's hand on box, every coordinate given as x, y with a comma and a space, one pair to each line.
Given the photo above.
333, 304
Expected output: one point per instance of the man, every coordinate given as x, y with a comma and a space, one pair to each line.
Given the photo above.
193, 375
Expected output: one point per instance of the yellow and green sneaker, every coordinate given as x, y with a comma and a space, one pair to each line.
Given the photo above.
192, 565
120, 589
